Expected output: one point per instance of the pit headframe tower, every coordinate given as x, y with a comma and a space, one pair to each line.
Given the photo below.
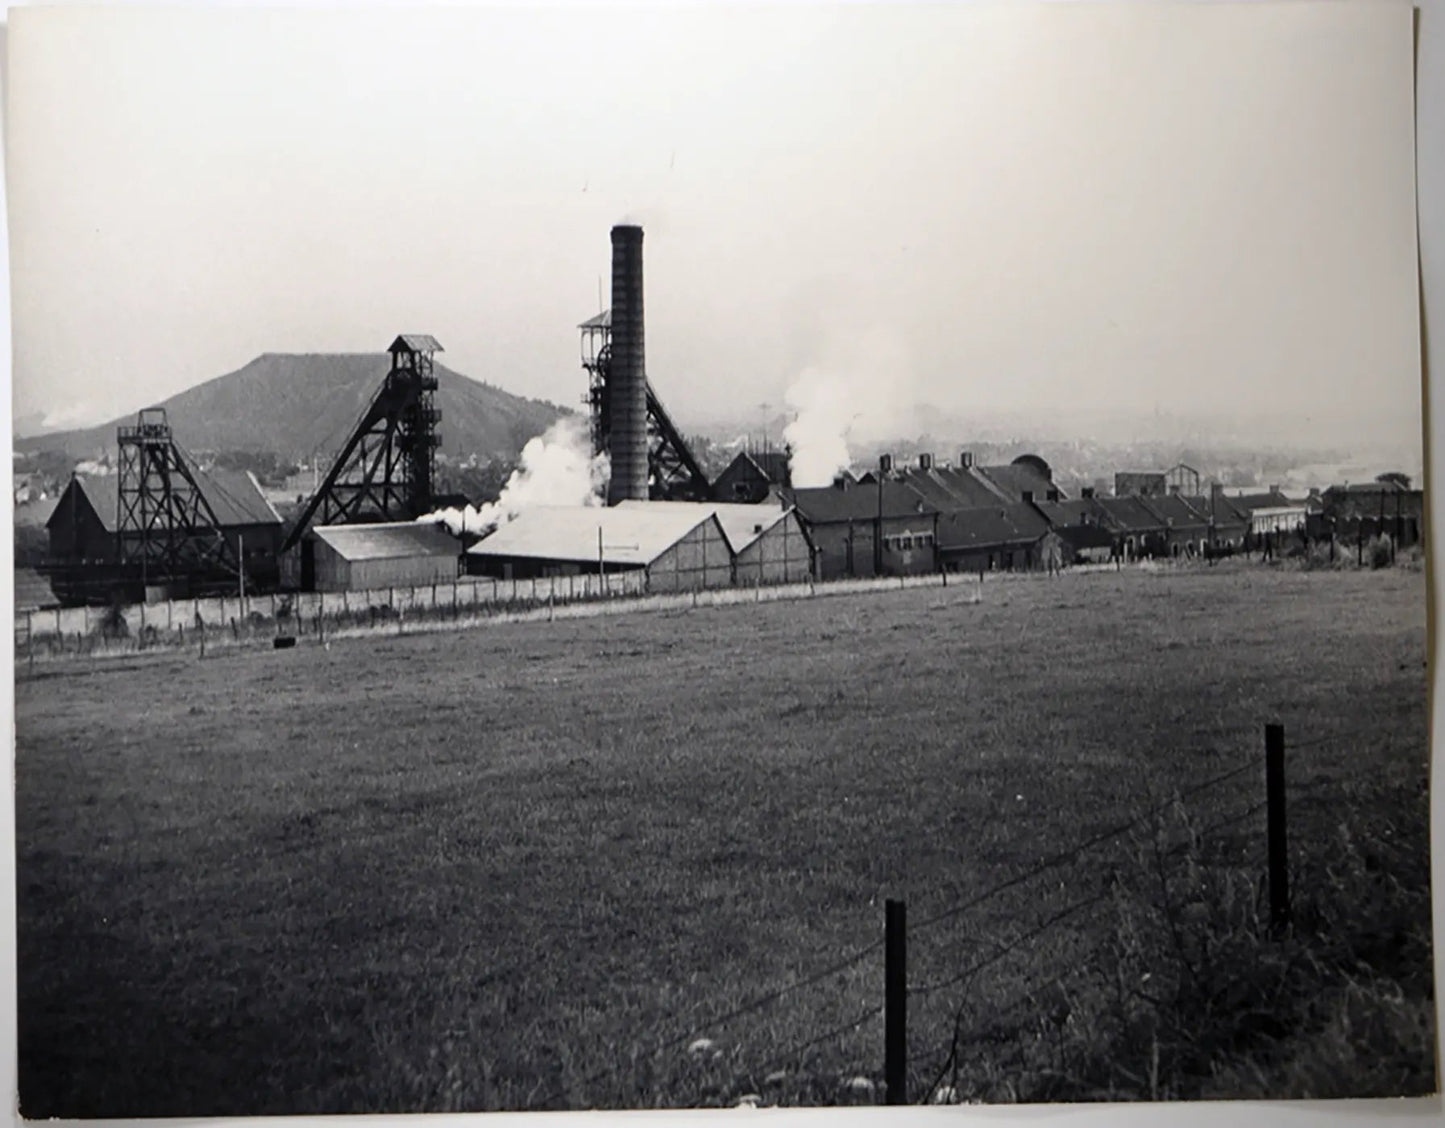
165, 527
386, 471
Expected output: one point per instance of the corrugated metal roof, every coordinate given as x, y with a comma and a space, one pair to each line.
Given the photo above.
602, 321
391, 541
741, 523
630, 534
416, 342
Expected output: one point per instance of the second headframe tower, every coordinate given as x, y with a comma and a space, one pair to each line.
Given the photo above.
627, 390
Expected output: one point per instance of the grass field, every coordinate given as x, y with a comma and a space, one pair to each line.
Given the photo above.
525, 865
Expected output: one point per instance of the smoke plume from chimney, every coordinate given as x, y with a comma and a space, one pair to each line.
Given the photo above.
863, 392
556, 468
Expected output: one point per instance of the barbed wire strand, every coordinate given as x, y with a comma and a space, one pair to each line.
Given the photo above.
754, 1004
1000, 951
950, 1060
1072, 852
798, 1047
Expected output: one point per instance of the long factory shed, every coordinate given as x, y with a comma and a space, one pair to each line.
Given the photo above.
682, 547
768, 542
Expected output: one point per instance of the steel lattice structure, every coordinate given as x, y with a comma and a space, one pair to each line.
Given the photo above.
387, 469
166, 528
673, 471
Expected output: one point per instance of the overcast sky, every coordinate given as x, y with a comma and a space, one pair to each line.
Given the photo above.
1069, 210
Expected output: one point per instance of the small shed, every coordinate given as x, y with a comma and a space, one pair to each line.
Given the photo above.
368, 557
681, 545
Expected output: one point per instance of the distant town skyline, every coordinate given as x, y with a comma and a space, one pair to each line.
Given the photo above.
1081, 212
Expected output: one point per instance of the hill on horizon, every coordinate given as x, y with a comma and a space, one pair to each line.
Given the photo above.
299, 404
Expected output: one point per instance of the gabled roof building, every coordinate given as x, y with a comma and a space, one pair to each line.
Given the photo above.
682, 546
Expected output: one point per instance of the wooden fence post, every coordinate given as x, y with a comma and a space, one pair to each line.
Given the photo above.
1279, 913
895, 1002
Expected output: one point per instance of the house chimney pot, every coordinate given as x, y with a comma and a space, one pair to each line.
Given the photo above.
925, 462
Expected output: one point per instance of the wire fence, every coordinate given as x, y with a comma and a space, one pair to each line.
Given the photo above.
949, 1013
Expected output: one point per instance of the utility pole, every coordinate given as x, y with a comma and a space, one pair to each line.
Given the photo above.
884, 462
241, 568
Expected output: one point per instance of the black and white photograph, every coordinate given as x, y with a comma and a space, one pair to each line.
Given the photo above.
718, 556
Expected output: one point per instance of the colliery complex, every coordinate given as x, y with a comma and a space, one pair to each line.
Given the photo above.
164, 528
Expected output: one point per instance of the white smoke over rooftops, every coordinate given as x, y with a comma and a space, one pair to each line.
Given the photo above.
861, 391
556, 468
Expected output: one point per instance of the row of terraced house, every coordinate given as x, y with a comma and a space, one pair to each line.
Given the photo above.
932, 516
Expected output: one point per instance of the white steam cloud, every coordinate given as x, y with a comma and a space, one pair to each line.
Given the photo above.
556, 468
865, 396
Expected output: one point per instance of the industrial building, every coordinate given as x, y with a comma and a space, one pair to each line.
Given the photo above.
161, 524
1271, 512
868, 530
752, 476
373, 556
1186, 529
1027, 478
1367, 509
166, 526
969, 485
1178, 479
768, 542
682, 548
998, 537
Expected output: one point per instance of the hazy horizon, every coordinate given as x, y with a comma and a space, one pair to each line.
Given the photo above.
1201, 215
